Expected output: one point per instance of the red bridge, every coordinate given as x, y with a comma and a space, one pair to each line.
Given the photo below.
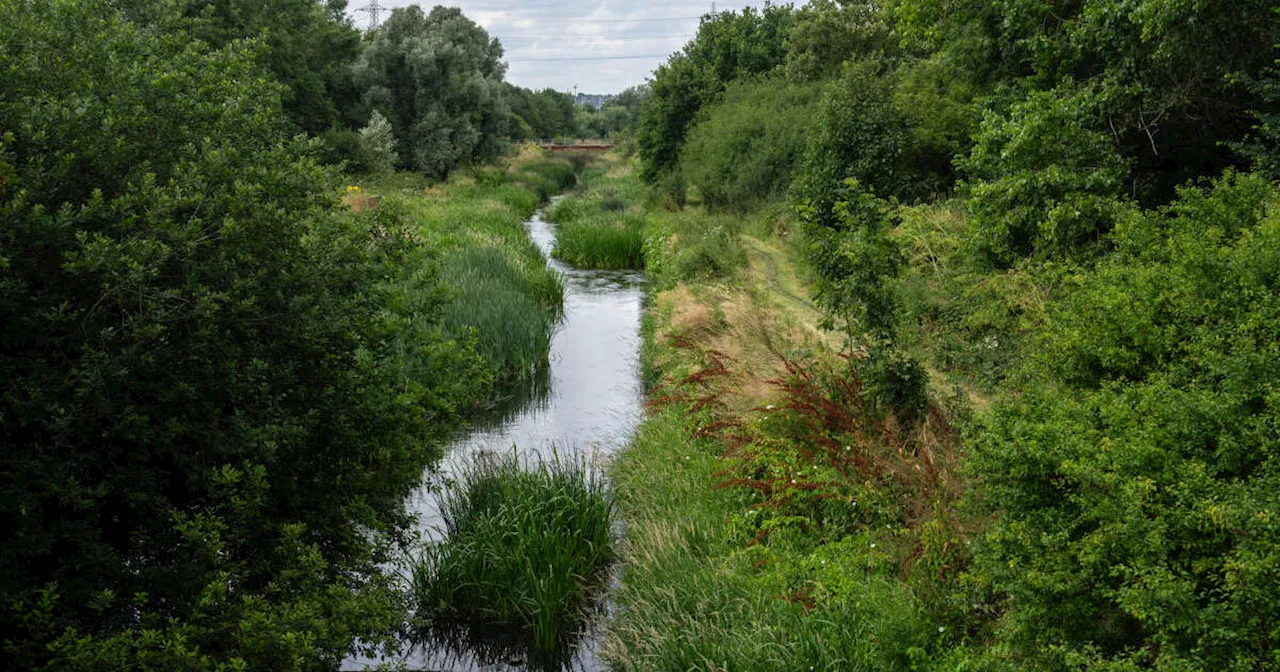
577, 148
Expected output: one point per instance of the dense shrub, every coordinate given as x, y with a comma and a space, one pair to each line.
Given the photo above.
729, 46
746, 147
378, 144
208, 431
858, 135
1041, 181
855, 264
1167, 74
1137, 511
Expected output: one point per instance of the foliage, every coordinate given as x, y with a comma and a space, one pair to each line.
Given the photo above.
1137, 505
1041, 183
216, 400
858, 135
855, 264
729, 45
746, 146
957, 313
595, 226
378, 144
309, 46
521, 546
689, 246
827, 33
618, 116
1163, 70
499, 291
438, 78
544, 115
1263, 145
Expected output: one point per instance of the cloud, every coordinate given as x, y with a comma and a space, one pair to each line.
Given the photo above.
599, 47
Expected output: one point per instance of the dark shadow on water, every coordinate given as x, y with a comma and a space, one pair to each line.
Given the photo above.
514, 400
449, 645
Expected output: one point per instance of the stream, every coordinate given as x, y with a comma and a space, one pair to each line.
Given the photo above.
585, 406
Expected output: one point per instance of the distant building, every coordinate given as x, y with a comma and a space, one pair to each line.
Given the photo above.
595, 100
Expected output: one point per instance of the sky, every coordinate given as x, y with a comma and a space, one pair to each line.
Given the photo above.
603, 46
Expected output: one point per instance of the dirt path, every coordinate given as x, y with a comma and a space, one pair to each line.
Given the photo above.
771, 264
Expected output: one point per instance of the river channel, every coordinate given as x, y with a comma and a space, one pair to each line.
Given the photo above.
585, 406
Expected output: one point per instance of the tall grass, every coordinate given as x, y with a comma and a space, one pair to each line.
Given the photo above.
599, 226
499, 289
506, 307
601, 242
523, 547
696, 595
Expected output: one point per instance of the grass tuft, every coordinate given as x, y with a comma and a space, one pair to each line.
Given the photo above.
522, 547
601, 242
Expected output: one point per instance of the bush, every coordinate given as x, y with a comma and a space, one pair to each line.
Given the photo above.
520, 547
856, 264
1041, 181
1136, 485
745, 148
343, 147
858, 135
896, 383
378, 144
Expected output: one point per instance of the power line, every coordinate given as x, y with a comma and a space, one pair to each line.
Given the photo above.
589, 58
581, 20
602, 39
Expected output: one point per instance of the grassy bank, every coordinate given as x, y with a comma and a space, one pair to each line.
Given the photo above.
501, 296
775, 518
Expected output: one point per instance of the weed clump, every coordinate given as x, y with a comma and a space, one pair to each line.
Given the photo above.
522, 547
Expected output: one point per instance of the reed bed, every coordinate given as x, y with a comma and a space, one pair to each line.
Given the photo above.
524, 547
499, 290
601, 226
602, 242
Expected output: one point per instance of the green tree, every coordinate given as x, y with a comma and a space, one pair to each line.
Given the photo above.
212, 414
858, 134
826, 33
311, 45
438, 78
378, 143
729, 45
745, 148
1163, 71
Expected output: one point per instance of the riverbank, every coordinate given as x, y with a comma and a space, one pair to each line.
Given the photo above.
750, 544
501, 299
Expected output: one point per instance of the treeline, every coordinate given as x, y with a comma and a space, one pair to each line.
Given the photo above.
425, 92
1070, 208
551, 114
220, 384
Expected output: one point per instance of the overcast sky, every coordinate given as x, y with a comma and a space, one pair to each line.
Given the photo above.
615, 44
